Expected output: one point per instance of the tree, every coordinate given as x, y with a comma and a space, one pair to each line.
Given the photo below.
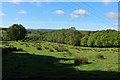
16, 32
104, 38
84, 40
68, 36
90, 41
73, 28
4, 35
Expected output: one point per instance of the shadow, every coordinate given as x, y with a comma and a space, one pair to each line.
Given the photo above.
64, 59
22, 66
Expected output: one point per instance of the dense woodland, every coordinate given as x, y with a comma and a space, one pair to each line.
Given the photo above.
102, 38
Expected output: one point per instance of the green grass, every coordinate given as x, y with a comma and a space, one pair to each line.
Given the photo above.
45, 63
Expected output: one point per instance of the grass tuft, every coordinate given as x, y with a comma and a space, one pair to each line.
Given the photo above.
80, 60
99, 56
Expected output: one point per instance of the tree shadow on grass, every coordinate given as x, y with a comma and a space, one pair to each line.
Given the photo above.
30, 66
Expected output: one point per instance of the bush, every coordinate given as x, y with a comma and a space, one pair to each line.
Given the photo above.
12, 48
51, 50
8, 50
46, 47
115, 50
7, 44
100, 56
20, 49
39, 48
21, 43
27, 45
59, 49
77, 61
65, 49
84, 60
80, 60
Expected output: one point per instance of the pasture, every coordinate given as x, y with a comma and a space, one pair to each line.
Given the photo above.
54, 60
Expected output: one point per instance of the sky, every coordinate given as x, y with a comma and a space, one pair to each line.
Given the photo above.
58, 15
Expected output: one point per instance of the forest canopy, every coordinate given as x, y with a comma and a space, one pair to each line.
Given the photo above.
102, 38
105, 38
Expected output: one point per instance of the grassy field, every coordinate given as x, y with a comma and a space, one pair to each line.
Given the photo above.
50, 62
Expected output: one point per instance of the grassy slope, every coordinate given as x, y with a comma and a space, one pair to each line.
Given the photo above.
45, 63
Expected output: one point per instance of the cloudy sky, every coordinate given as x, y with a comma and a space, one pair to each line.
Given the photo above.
57, 15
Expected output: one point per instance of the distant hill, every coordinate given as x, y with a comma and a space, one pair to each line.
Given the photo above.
35, 30
41, 30
47, 30
3, 28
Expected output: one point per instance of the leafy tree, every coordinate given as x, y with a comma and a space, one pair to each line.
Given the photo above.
68, 36
104, 38
90, 41
5, 36
16, 32
84, 40
34, 36
73, 28
98, 42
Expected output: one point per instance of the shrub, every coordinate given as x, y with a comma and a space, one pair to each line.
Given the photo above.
80, 60
8, 50
27, 45
4, 42
39, 48
12, 48
59, 49
65, 49
100, 56
115, 50
46, 47
21, 43
84, 60
77, 61
51, 50
20, 49
55, 47
69, 52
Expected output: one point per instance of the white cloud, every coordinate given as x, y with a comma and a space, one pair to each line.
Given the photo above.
2, 14
113, 15
106, 2
74, 16
81, 12
22, 12
17, 1
47, 0
34, 1
59, 12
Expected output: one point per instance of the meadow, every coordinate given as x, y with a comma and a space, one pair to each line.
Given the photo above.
55, 60
60, 40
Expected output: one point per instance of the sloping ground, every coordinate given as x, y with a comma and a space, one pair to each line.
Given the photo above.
42, 64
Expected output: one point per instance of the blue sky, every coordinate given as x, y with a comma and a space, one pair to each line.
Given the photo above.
57, 15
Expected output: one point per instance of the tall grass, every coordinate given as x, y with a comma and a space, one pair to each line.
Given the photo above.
80, 60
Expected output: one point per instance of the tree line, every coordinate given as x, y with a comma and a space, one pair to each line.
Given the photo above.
64, 36
103, 38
